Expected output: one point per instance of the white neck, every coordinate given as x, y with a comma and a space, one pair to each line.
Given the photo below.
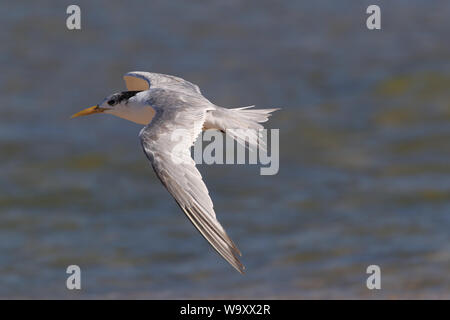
141, 114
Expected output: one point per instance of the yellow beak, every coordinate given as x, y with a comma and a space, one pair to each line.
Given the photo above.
88, 111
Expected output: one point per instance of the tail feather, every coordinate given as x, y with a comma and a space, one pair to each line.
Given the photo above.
235, 121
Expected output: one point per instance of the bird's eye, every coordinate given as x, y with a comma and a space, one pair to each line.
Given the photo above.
111, 102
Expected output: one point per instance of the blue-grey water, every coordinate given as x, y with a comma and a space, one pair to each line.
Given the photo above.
364, 150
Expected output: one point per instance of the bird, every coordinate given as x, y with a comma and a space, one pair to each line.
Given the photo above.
164, 104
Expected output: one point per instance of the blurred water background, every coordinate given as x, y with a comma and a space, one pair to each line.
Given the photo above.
364, 150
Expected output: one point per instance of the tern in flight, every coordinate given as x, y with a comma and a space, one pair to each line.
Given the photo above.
164, 104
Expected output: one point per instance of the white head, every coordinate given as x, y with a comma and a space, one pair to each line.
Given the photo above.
129, 105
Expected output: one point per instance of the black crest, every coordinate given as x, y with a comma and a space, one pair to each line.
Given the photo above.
119, 97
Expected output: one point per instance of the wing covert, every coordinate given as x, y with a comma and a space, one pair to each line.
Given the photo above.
139, 80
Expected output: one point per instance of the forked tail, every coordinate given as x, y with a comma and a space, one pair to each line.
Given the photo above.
235, 122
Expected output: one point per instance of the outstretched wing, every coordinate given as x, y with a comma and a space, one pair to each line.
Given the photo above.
140, 81
166, 142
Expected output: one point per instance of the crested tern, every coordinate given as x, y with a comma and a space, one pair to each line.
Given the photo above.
165, 103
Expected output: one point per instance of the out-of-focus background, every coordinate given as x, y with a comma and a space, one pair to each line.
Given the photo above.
364, 150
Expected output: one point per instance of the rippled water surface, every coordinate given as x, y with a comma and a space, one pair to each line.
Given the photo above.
364, 150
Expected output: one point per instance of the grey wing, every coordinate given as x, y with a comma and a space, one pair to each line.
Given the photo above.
169, 154
140, 81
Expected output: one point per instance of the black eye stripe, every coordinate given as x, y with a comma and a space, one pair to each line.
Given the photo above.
111, 102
